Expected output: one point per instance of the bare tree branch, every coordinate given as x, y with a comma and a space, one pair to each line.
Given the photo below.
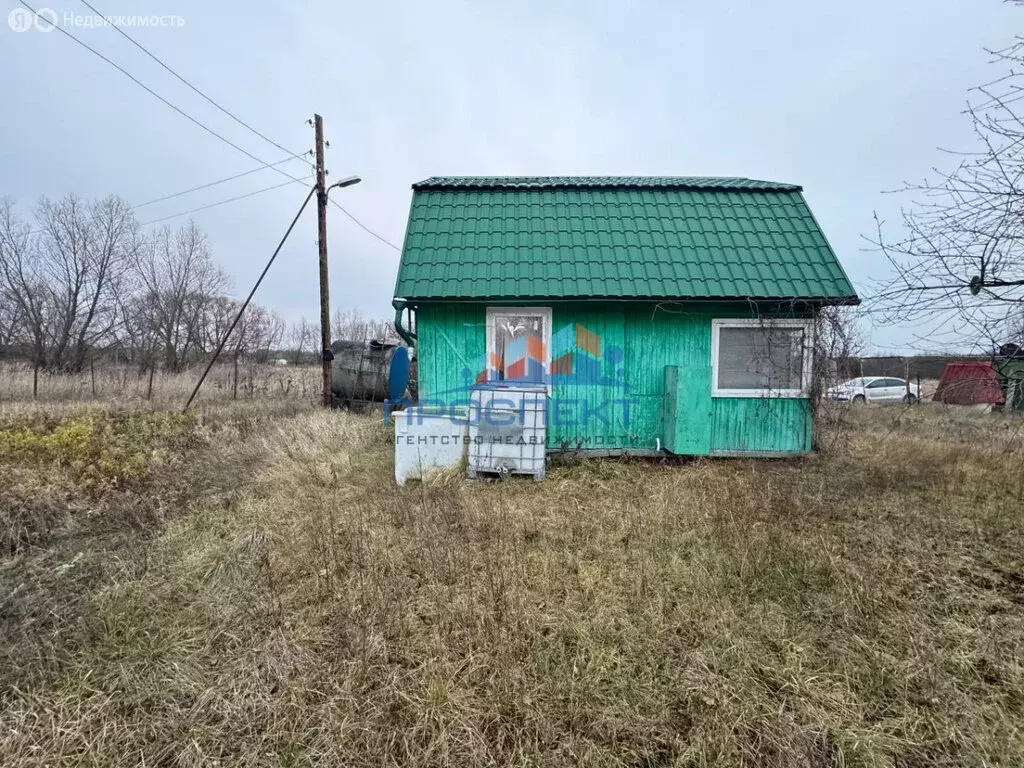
958, 262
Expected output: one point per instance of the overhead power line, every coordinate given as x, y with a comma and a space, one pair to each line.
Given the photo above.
214, 183
199, 124
170, 69
230, 114
219, 202
366, 228
196, 189
156, 95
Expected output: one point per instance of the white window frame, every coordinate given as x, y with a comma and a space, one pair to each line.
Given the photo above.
806, 325
544, 312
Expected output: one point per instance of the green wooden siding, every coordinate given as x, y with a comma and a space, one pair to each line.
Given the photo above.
760, 425
450, 338
658, 338
686, 422
451, 348
590, 416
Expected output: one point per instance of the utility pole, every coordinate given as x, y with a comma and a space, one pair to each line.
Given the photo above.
326, 356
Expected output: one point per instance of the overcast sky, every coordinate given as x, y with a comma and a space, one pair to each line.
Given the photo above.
847, 99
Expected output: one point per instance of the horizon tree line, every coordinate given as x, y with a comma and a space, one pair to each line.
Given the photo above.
83, 280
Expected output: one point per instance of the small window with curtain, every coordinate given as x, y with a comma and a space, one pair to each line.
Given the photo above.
761, 358
519, 344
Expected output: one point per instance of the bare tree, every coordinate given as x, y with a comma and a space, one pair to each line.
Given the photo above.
135, 335
353, 326
9, 323
272, 329
178, 281
257, 332
838, 334
64, 278
1014, 329
23, 285
84, 277
302, 339
106, 230
219, 314
959, 261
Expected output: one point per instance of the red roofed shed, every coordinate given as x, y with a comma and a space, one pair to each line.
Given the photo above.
969, 384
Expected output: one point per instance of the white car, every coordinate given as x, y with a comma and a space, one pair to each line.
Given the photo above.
875, 389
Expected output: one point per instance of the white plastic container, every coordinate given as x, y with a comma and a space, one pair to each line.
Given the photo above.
427, 441
508, 430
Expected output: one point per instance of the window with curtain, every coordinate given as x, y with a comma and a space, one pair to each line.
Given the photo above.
761, 358
518, 344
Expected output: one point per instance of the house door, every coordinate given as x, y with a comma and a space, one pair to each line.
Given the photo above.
687, 429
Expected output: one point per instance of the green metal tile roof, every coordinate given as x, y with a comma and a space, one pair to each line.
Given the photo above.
552, 182
615, 237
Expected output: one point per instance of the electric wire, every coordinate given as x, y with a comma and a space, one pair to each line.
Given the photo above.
182, 79
198, 123
193, 189
364, 227
230, 114
156, 95
219, 202
212, 183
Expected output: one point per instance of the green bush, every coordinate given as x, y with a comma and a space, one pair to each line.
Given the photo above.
101, 450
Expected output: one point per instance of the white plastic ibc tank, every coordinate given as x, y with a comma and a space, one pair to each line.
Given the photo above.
508, 429
426, 441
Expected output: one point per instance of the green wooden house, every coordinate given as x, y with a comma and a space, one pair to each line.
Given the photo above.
663, 314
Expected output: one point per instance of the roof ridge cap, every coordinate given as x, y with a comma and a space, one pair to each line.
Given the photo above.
737, 183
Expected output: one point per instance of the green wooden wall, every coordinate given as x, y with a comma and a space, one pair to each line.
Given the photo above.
627, 411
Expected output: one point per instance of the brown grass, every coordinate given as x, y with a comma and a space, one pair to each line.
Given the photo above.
863, 607
108, 382
84, 489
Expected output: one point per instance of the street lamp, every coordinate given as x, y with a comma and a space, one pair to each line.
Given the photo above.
348, 181
325, 303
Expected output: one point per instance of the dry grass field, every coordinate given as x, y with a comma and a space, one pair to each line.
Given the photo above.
247, 586
125, 384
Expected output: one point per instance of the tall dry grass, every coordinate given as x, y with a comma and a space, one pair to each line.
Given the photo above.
110, 382
864, 607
